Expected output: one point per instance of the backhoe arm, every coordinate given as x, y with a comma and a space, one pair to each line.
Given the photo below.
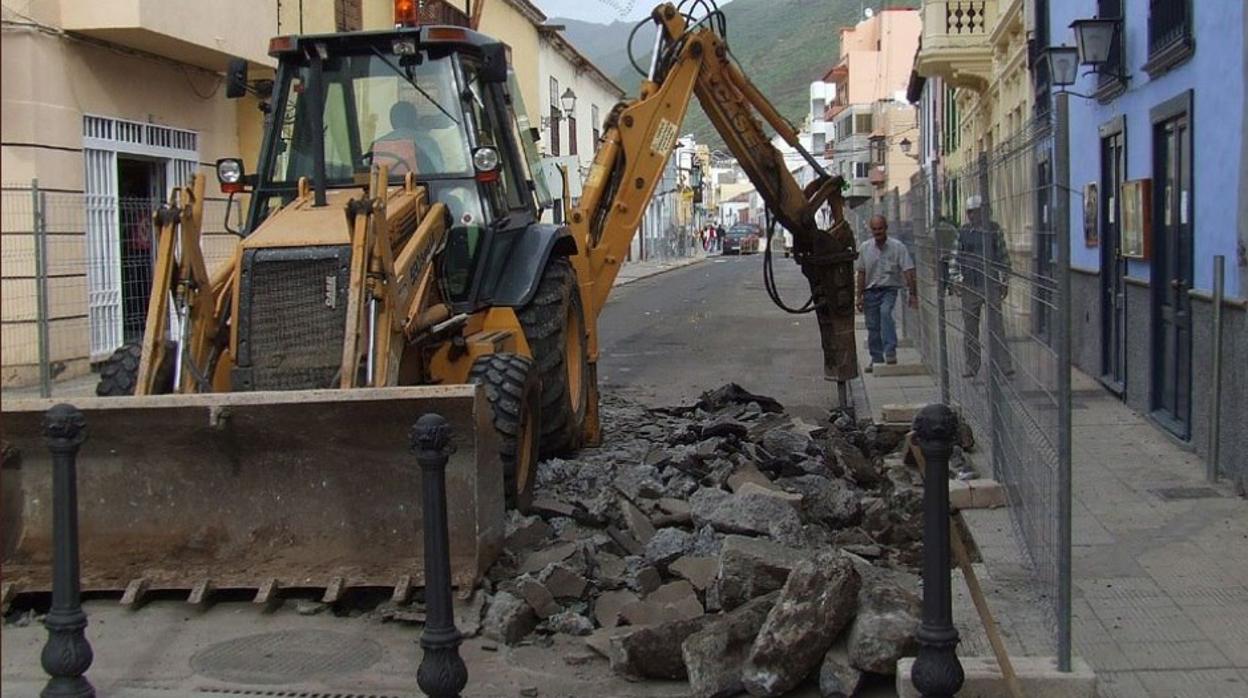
639, 138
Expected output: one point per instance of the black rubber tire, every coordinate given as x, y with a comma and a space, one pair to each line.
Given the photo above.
515, 395
545, 321
119, 373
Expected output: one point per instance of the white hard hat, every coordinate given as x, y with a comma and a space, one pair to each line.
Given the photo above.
973, 202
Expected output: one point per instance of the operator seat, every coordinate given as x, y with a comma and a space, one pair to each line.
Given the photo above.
401, 149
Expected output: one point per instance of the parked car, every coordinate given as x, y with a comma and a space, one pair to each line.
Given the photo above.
742, 239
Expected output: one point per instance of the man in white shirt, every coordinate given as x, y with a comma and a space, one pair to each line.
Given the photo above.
882, 265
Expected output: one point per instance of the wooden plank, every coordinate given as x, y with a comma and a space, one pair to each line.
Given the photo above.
135, 592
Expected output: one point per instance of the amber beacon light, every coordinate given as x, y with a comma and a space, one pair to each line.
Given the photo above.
406, 13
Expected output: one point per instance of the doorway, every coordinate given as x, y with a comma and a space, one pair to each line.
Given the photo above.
140, 182
1172, 268
1113, 265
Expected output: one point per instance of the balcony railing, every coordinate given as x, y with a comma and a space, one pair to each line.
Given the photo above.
955, 43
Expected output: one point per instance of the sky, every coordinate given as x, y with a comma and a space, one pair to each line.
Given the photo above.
601, 11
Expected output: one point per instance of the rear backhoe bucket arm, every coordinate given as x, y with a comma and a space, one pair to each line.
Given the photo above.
639, 139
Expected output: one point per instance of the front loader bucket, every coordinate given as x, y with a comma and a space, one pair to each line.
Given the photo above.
255, 490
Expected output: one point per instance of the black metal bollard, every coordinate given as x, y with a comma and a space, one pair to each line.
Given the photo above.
67, 654
937, 672
442, 673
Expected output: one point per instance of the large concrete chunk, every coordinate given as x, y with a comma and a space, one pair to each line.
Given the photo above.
816, 604
750, 514
714, 656
654, 652
750, 567
884, 629
509, 619
837, 677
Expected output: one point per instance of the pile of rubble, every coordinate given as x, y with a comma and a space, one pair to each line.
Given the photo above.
725, 543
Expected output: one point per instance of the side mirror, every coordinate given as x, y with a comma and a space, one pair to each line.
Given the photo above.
236, 78
494, 62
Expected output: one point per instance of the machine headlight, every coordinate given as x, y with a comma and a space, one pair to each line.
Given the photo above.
229, 171
485, 159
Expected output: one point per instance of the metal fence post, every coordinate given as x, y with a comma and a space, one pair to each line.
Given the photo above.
442, 672
40, 232
67, 654
1064, 435
1215, 395
943, 286
993, 316
937, 673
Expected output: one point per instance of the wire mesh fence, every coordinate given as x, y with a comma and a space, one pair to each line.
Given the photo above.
77, 275
987, 325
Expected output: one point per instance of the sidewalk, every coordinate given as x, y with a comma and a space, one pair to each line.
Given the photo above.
1160, 597
635, 271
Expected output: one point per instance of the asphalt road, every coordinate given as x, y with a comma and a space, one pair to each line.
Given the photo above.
667, 338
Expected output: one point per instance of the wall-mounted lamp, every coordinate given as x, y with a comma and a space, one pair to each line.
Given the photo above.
1094, 41
1063, 62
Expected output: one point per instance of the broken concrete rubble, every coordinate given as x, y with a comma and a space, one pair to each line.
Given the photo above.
837, 677
687, 517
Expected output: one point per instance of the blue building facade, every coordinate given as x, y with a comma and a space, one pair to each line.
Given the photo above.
1176, 123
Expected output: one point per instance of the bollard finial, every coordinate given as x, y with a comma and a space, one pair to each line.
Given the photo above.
936, 422
64, 426
430, 435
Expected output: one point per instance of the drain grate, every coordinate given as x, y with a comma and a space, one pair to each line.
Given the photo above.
286, 656
1176, 493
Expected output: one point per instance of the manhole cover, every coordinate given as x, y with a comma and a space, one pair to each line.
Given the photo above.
1172, 493
283, 657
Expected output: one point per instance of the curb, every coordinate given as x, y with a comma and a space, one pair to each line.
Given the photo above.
663, 270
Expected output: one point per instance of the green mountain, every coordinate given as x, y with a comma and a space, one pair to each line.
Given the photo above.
782, 45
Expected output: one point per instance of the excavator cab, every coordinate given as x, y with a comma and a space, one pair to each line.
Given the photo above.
438, 103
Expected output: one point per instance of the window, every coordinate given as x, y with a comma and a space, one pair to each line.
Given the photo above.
597, 125
555, 115
554, 130
572, 135
862, 123
818, 142
862, 169
1039, 66
1169, 34
1107, 84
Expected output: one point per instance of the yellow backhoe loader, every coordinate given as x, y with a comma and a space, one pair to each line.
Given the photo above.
392, 262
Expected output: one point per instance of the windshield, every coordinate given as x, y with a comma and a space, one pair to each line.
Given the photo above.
402, 112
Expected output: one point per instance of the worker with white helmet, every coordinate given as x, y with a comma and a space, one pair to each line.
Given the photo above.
985, 267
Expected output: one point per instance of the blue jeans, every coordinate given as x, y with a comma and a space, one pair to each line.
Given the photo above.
881, 328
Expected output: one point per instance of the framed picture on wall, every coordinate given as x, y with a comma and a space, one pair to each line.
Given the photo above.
1137, 218
1091, 217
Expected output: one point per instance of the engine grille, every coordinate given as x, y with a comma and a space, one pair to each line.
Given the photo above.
293, 308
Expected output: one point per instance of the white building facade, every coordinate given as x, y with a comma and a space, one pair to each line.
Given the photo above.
574, 100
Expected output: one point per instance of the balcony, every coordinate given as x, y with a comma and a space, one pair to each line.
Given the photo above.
955, 44
204, 34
